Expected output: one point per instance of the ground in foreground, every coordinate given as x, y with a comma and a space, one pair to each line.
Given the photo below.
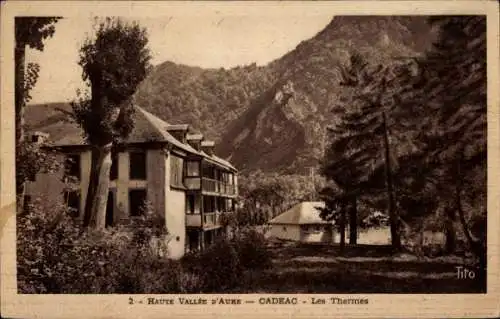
306, 268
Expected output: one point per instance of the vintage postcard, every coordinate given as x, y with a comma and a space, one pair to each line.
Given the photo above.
249, 159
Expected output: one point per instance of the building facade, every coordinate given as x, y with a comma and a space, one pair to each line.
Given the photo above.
167, 166
302, 223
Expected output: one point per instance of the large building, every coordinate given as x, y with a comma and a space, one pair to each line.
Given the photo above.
168, 166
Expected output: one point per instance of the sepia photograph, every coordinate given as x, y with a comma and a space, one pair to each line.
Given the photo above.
230, 153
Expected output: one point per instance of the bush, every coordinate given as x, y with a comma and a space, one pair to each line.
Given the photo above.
252, 251
55, 255
215, 269
221, 267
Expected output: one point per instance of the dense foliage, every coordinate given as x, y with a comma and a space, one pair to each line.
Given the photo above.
428, 159
30, 32
263, 196
240, 108
113, 62
56, 255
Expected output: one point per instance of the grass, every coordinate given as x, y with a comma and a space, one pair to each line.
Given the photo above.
306, 268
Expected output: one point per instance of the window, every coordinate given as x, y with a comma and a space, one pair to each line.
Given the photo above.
72, 199
113, 175
284, 228
138, 165
72, 166
192, 168
208, 171
208, 204
176, 171
190, 204
137, 199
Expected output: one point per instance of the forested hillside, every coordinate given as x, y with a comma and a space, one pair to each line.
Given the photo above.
273, 117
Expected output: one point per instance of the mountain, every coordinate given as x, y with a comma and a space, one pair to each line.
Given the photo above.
273, 117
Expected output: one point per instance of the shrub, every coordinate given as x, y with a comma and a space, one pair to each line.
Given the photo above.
252, 251
221, 267
55, 255
217, 268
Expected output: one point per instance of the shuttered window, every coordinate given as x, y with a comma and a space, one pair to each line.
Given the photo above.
176, 171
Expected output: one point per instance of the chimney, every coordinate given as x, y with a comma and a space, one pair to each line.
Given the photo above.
195, 140
208, 147
179, 131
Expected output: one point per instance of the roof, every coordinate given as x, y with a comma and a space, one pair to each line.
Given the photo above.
161, 126
194, 137
207, 143
218, 160
177, 127
302, 213
147, 128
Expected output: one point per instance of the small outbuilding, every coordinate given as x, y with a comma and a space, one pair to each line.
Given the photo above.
302, 223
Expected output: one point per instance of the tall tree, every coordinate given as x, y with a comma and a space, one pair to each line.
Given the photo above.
29, 32
114, 63
335, 210
361, 148
451, 86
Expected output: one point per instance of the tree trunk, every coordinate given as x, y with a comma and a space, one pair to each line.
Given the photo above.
97, 195
20, 194
342, 225
353, 222
20, 53
19, 56
393, 218
450, 245
476, 247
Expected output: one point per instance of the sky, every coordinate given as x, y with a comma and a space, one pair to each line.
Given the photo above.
209, 41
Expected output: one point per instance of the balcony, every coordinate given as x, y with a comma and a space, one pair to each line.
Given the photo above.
218, 187
192, 183
209, 220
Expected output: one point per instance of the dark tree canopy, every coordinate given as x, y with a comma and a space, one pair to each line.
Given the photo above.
114, 63
31, 31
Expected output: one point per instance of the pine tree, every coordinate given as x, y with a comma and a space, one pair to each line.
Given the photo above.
449, 100
361, 148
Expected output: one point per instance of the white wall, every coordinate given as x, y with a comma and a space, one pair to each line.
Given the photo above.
323, 235
48, 187
122, 210
176, 222
175, 219
155, 169
290, 232
374, 236
85, 166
